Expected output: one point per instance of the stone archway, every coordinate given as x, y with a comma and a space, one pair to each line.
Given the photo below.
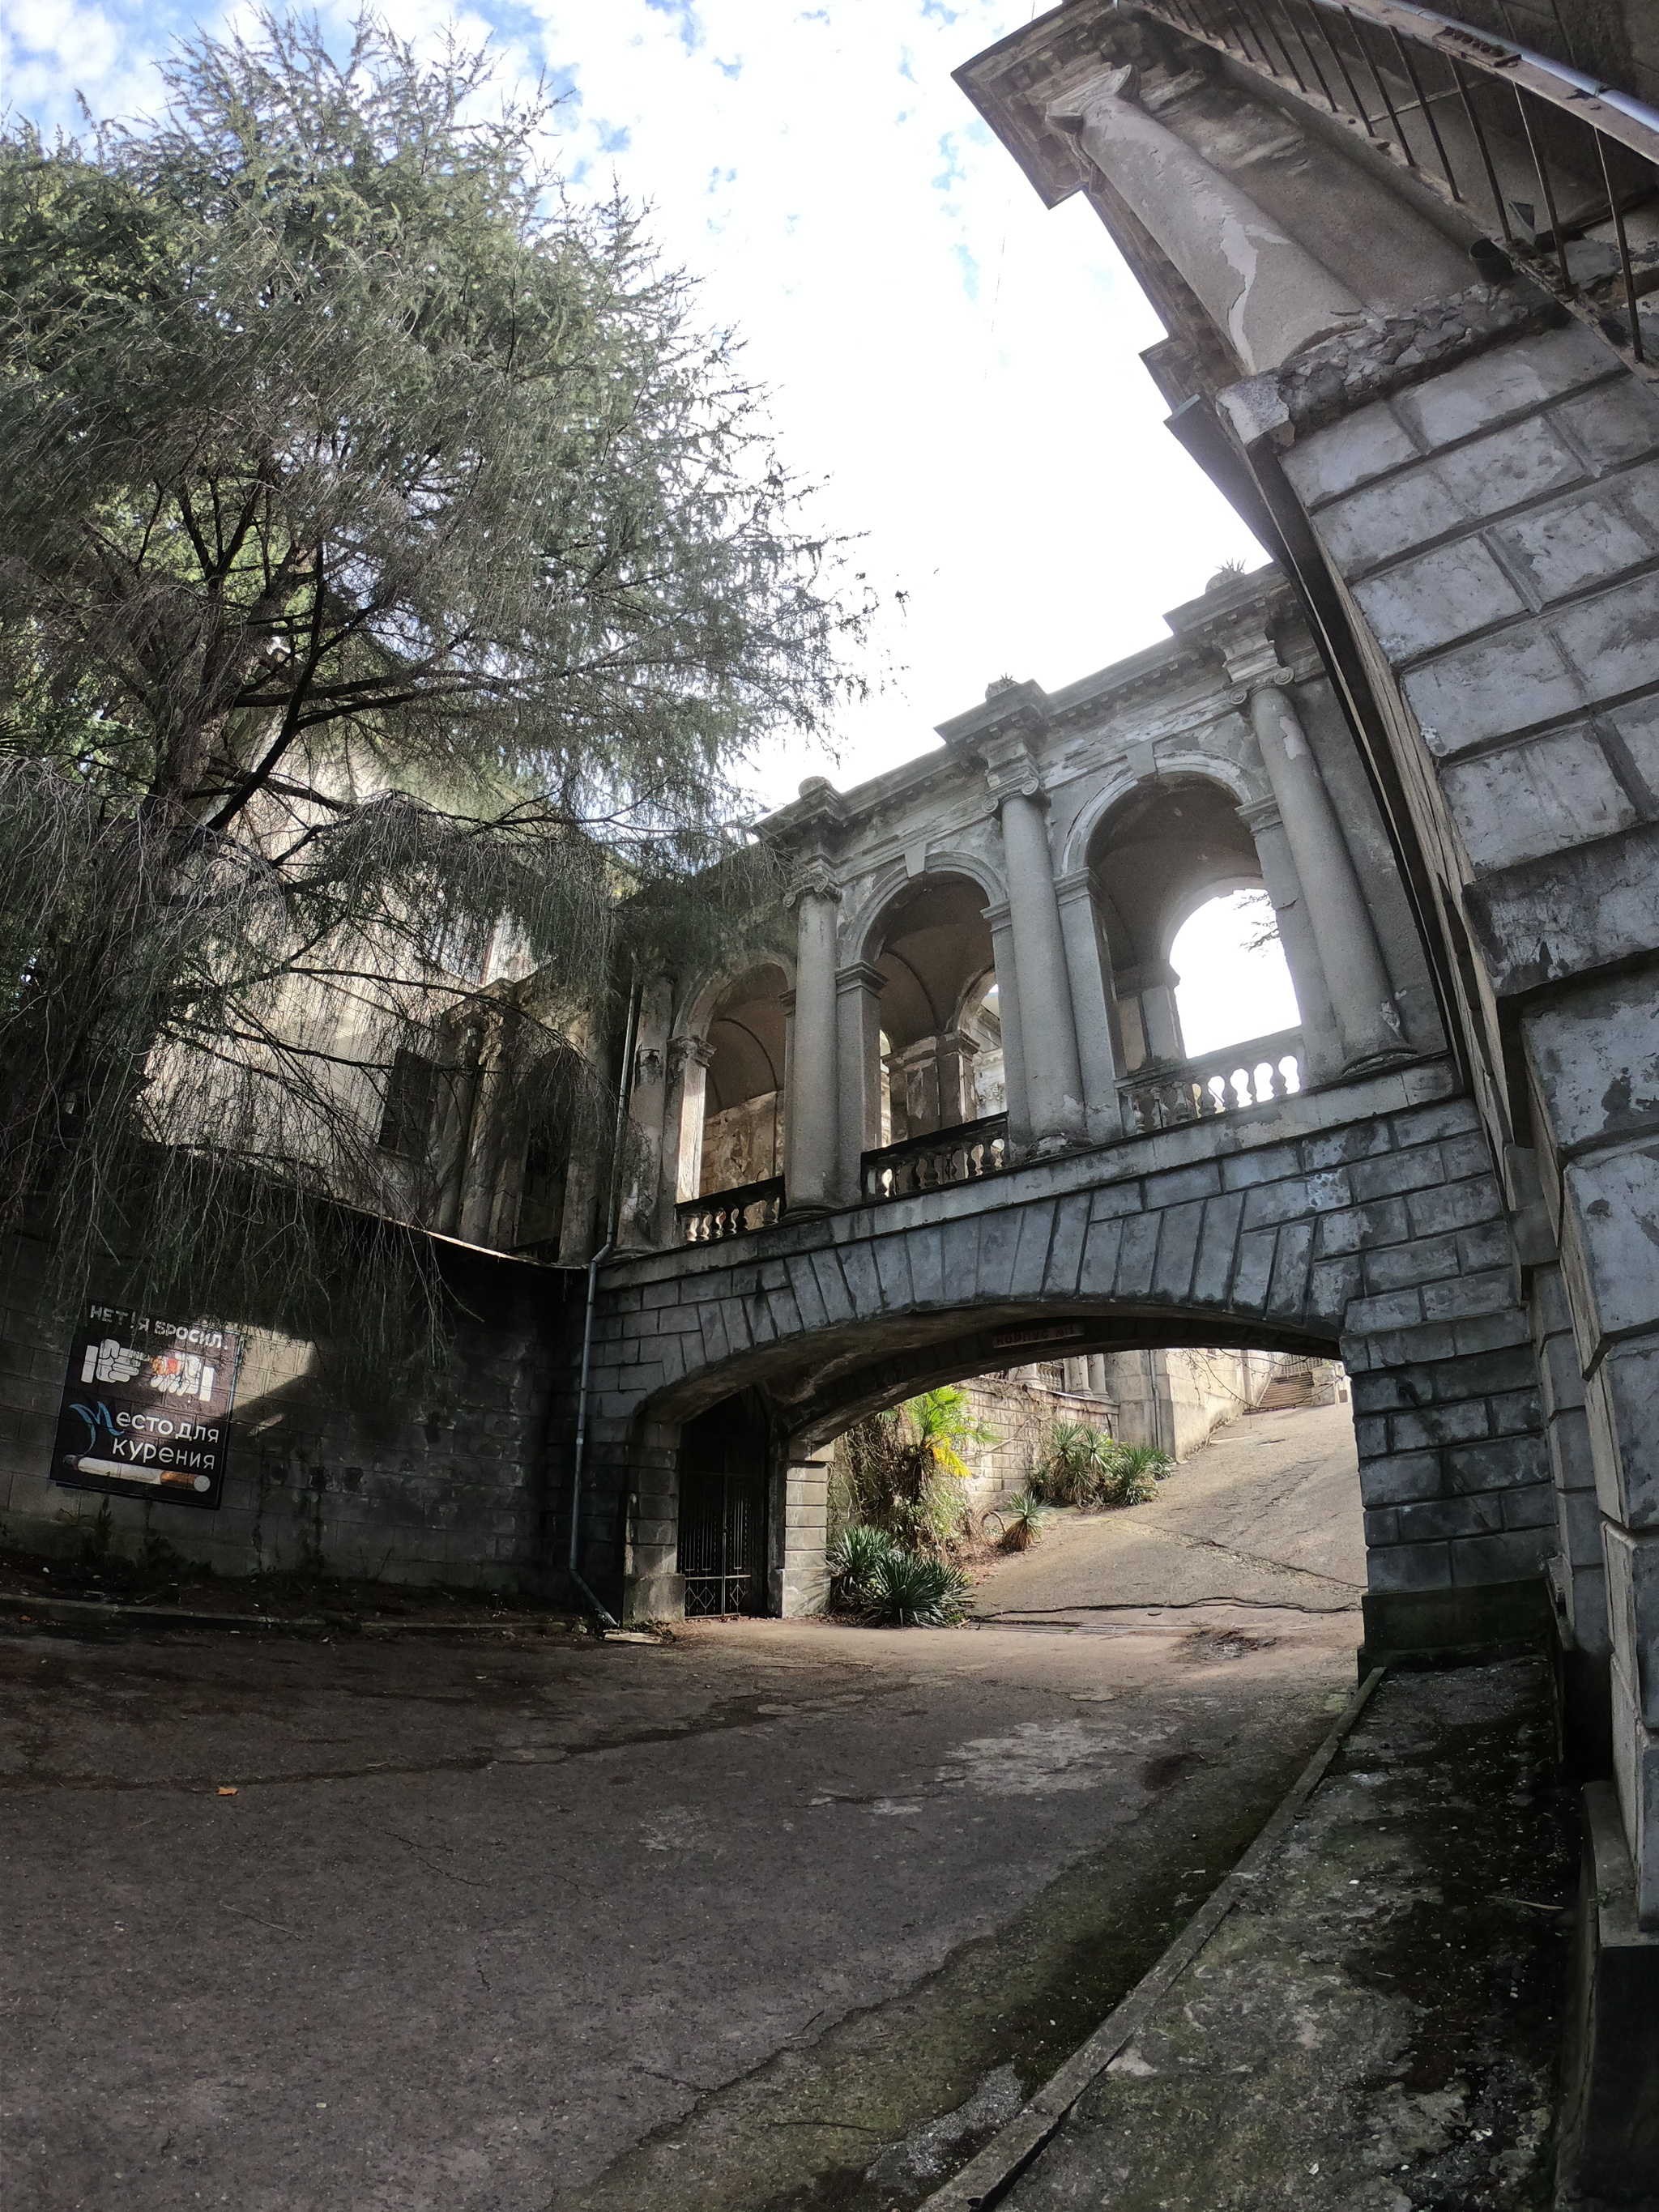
1348, 1220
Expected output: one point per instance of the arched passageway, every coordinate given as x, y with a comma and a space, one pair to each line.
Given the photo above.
1166, 848
1349, 1224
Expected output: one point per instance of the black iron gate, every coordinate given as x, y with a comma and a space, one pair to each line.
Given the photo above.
722, 1551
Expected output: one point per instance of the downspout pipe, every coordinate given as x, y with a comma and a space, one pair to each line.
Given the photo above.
612, 1206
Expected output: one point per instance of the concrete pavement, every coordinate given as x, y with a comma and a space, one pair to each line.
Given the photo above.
1268, 1516
780, 1913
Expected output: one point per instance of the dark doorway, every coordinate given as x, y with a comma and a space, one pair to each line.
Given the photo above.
723, 1474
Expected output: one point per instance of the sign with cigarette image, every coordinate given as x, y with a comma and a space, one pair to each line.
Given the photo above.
146, 1407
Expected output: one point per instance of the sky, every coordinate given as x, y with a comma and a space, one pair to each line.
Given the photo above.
957, 366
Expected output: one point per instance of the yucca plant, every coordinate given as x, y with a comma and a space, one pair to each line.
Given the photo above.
1074, 1463
1132, 1473
910, 1589
1022, 1516
855, 1559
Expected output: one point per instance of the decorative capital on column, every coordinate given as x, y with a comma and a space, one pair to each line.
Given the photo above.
1259, 814
1079, 884
1010, 770
696, 1051
813, 880
1074, 109
861, 977
1251, 660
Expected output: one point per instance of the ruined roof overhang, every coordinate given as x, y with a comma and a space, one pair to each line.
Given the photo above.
1013, 82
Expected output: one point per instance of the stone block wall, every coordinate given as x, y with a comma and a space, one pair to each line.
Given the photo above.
1497, 526
449, 1489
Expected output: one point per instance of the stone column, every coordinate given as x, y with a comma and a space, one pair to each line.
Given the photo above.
1322, 1045
1151, 989
1269, 296
1361, 996
648, 1109
858, 1037
957, 1054
810, 1114
1013, 1038
683, 1117
1086, 967
1054, 1079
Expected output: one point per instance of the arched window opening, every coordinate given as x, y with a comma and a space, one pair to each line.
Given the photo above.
1173, 848
743, 1114
1232, 980
935, 961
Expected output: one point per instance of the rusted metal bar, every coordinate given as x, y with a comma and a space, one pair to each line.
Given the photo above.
1410, 67
1290, 58
1347, 77
1382, 89
1617, 212
1313, 58
1485, 152
1542, 169
1235, 15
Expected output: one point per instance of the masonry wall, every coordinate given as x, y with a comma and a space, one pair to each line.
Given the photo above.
1497, 526
448, 1490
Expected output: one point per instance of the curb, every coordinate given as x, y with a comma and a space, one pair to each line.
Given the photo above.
985, 2180
86, 1613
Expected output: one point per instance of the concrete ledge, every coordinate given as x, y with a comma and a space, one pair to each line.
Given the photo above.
987, 2179
1451, 1626
1609, 2121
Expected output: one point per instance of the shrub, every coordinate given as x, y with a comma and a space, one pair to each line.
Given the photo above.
1072, 1463
903, 1471
855, 1558
1021, 1517
909, 1589
1134, 1474
1083, 1466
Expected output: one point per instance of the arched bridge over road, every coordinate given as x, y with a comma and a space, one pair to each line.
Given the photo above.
1361, 1220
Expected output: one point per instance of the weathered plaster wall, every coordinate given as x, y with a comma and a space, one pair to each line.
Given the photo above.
450, 1489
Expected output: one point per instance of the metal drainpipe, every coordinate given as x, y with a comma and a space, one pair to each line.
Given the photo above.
613, 1200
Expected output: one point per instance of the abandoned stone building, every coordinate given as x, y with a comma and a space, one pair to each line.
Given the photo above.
951, 1125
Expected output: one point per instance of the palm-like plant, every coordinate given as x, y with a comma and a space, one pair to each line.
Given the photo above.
910, 1589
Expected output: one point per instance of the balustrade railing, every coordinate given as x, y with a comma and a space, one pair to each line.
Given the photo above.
1215, 1082
1553, 160
961, 1154
737, 1213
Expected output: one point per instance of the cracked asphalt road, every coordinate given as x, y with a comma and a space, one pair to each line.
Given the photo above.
779, 1914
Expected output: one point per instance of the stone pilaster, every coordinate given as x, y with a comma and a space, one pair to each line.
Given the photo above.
1322, 1044
1086, 971
1054, 1077
1015, 1096
858, 1033
1361, 994
811, 1115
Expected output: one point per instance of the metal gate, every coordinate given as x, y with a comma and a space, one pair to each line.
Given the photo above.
723, 1544
722, 1555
